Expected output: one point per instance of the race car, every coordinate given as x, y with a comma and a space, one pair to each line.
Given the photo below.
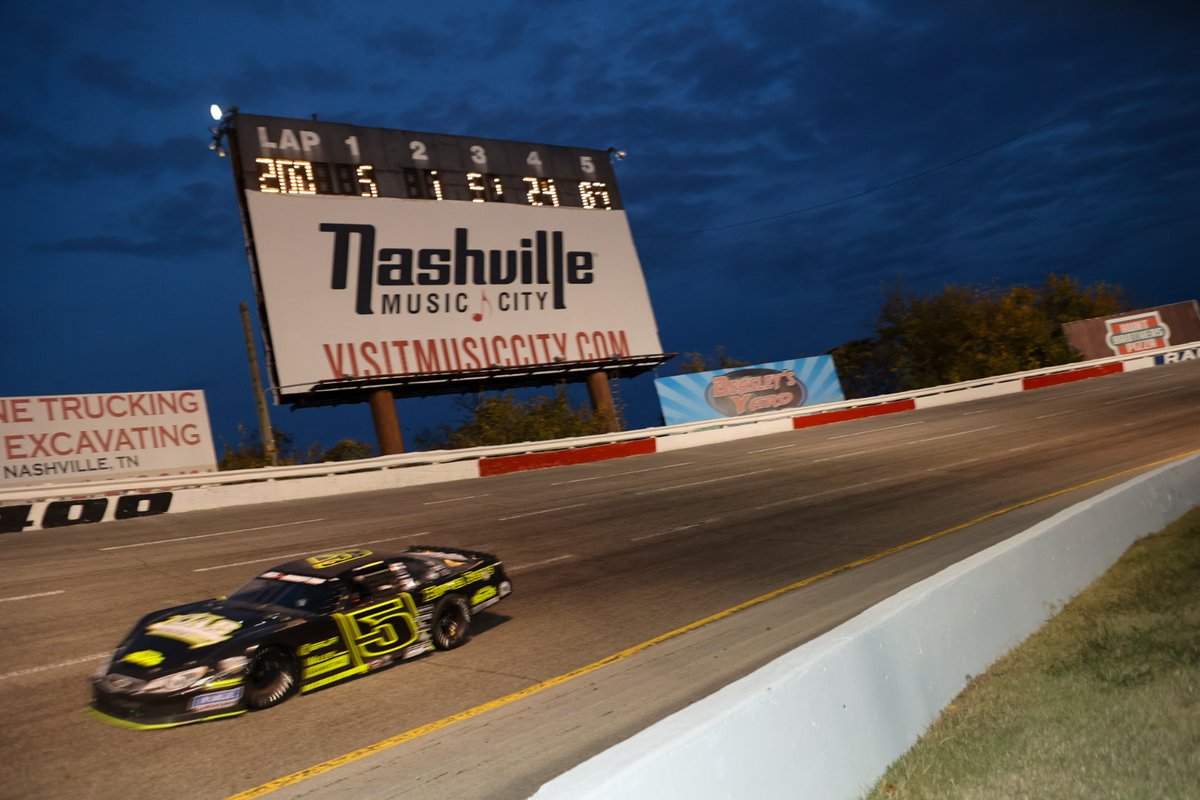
297, 627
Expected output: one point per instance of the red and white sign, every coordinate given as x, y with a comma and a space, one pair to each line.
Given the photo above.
1134, 332
88, 437
1137, 333
362, 288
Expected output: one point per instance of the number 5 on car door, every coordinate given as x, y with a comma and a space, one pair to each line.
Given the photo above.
380, 629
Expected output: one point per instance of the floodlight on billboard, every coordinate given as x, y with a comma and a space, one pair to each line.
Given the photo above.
428, 263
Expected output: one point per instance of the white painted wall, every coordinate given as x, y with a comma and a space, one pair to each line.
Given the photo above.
827, 719
968, 393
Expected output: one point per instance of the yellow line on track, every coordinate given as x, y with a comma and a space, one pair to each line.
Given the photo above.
445, 722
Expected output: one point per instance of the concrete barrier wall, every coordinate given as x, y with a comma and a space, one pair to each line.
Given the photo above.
970, 393
827, 719
224, 495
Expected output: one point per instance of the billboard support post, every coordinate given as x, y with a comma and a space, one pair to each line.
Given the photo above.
266, 432
602, 401
387, 423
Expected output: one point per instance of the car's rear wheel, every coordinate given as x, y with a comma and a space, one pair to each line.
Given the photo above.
270, 677
451, 622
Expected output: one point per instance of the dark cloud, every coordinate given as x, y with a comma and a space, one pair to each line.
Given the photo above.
120, 78
123, 158
181, 225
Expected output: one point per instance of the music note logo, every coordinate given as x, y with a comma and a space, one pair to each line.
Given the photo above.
485, 303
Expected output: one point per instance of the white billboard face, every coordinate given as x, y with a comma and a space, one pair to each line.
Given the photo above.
92, 437
363, 288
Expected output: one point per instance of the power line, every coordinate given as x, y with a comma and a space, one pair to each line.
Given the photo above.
890, 184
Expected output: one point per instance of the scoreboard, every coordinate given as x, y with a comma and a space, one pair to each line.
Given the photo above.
324, 158
428, 263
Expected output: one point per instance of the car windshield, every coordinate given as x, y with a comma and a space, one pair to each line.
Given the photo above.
312, 599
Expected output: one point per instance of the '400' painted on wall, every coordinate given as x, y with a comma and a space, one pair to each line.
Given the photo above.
60, 513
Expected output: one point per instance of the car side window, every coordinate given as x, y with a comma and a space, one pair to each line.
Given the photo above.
373, 586
404, 578
420, 571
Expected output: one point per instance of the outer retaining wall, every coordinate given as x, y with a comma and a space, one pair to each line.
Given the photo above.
827, 719
31, 508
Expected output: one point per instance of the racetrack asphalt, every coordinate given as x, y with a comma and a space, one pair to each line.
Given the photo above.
604, 558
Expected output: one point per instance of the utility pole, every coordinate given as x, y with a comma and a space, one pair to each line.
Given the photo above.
260, 399
602, 401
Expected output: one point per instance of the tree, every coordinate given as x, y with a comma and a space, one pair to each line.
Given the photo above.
249, 452
504, 419
863, 367
348, 450
696, 362
968, 332
1063, 300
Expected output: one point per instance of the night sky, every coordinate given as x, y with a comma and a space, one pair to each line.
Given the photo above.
787, 162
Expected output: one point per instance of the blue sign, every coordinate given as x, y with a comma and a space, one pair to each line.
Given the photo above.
741, 391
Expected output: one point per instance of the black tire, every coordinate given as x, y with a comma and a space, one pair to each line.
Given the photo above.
270, 677
451, 625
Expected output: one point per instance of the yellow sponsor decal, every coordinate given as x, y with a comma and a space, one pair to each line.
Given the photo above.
486, 593
144, 658
313, 647
319, 665
327, 560
195, 630
466, 579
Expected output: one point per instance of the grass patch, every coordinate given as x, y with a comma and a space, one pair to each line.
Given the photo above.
1102, 703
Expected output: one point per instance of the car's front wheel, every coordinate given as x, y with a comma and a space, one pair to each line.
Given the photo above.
451, 622
270, 677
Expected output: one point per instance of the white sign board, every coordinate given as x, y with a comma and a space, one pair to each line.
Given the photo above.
89, 437
360, 288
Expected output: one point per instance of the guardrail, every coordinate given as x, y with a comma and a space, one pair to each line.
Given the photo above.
60, 504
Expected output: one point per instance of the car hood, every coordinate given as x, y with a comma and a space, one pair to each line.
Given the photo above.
193, 635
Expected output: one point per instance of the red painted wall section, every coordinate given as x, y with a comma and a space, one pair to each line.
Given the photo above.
502, 465
1042, 381
845, 414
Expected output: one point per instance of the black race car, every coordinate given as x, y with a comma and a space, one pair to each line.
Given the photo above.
297, 627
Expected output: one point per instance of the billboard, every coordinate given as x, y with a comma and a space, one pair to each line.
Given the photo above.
742, 391
1133, 332
387, 258
93, 437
